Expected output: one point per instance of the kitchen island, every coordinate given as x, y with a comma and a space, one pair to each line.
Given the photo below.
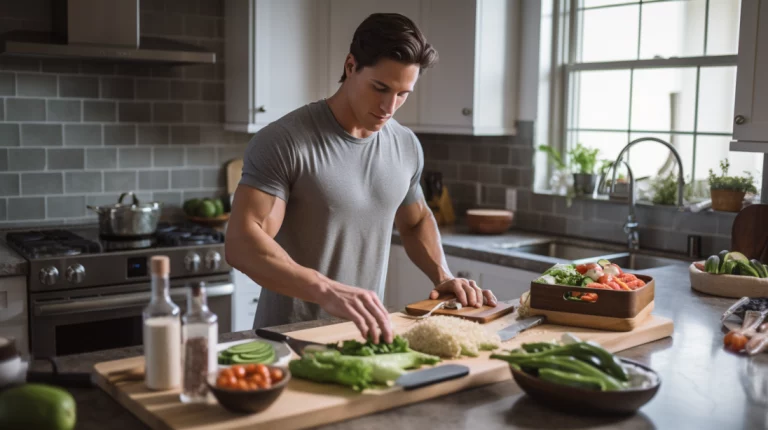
703, 386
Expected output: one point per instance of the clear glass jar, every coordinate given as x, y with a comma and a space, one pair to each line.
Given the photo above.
162, 332
201, 336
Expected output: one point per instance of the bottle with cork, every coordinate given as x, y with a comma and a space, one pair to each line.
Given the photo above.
201, 336
162, 331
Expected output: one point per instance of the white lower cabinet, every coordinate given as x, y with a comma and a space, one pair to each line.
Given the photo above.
407, 284
244, 301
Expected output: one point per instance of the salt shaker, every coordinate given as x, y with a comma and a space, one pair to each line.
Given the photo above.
162, 331
201, 336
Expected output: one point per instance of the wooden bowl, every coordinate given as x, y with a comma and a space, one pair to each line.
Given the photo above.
733, 286
249, 401
489, 221
210, 222
583, 401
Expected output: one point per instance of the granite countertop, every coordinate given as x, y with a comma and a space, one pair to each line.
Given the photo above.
703, 386
11, 263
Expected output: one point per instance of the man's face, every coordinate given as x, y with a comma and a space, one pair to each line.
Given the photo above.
377, 92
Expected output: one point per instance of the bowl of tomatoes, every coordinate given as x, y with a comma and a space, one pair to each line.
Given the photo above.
248, 388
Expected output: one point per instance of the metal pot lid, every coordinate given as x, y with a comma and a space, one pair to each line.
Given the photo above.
133, 206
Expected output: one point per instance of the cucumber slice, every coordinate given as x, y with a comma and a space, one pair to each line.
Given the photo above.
255, 355
248, 347
242, 359
603, 262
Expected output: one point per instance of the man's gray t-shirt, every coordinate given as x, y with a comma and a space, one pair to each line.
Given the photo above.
342, 193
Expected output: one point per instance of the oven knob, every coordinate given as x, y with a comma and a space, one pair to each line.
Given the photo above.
49, 275
75, 273
212, 260
192, 262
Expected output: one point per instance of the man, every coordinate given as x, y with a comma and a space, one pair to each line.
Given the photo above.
312, 216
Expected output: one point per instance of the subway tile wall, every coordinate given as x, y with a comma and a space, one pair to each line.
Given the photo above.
74, 133
478, 171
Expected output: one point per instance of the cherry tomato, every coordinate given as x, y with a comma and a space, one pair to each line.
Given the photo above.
250, 369
255, 378
581, 268
735, 341
238, 371
222, 381
263, 371
605, 279
276, 375
253, 386
242, 384
226, 372
264, 384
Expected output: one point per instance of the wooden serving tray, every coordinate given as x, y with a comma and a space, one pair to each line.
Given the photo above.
727, 285
596, 322
481, 315
610, 303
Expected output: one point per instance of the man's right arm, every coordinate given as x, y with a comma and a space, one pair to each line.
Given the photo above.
250, 247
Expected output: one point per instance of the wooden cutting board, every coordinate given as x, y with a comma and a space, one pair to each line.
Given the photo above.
749, 233
307, 404
481, 315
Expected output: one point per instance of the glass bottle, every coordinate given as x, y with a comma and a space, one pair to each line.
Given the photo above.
162, 331
201, 336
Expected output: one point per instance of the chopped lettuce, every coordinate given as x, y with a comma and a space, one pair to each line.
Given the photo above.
563, 274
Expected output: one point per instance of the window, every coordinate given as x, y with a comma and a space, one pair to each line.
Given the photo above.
631, 69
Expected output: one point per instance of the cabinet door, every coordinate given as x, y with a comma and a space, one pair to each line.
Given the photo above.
291, 56
412, 285
752, 73
506, 283
346, 16
448, 89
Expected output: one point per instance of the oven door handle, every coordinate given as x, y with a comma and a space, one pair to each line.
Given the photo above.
121, 301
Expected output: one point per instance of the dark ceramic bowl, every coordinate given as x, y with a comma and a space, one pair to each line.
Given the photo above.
582, 401
250, 401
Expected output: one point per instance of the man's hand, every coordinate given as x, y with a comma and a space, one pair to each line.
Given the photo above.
360, 306
466, 290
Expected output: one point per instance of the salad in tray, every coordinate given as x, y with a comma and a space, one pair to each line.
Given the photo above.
602, 275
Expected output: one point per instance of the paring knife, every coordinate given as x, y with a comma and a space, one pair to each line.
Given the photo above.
518, 326
409, 381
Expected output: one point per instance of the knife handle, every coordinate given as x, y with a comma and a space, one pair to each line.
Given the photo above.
271, 335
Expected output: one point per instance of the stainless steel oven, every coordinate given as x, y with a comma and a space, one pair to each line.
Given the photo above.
85, 320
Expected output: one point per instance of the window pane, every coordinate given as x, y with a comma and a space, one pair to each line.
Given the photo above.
710, 150
649, 158
608, 143
595, 3
601, 99
658, 95
672, 29
717, 87
723, 31
609, 34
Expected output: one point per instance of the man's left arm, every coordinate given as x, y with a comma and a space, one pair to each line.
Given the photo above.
421, 240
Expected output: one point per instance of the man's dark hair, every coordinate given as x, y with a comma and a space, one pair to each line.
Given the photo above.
393, 36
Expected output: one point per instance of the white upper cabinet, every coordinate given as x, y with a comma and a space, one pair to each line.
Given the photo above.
346, 15
750, 123
276, 59
283, 54
473, 88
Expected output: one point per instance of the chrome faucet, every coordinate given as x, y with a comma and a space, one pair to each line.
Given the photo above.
630, 227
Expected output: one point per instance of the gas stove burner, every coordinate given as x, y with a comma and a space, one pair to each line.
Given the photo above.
187, 234
51, 243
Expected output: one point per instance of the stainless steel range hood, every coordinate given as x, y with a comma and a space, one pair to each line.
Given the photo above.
101, 30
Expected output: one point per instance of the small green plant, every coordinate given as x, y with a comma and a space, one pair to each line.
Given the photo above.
744, 183
582, 159
665, 190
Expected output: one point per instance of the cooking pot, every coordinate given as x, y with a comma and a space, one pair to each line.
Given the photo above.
127, 220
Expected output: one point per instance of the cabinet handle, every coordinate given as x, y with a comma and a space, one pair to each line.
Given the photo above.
740, 119
255, 300
466, 111
463, 274
261, 109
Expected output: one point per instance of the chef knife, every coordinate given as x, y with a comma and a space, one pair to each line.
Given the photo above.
409, 381
520, 325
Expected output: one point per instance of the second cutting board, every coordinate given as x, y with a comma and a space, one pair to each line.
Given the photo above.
481, 315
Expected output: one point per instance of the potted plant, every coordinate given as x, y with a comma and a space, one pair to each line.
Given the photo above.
582, 166
728, 192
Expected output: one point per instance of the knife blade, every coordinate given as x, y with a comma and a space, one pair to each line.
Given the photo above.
296, 345
518, 326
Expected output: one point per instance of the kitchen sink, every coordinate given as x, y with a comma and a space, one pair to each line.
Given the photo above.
557, 250
640, 261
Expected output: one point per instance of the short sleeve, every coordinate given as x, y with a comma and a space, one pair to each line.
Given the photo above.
415, 193
269, 162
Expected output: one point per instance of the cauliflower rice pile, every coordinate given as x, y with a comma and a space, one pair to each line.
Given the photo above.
450, 337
